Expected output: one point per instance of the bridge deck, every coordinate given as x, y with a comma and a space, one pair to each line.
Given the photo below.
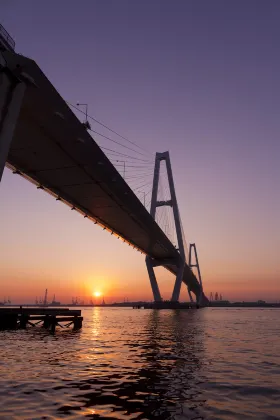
52, 148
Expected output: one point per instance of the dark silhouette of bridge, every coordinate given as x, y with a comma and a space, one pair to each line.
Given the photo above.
42, 140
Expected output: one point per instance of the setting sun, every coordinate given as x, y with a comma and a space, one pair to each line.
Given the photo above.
97, 294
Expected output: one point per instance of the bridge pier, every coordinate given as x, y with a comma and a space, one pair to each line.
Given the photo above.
196, 265
153, 280
178, 283
177, 264
174, 205
150, 263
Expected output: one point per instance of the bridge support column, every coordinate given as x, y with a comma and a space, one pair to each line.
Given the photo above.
190, 295
174, 205
11, 95
178, 283
153, 280
177, 263
192, 250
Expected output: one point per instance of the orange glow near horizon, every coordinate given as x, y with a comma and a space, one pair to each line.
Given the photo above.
97, 294
72, 258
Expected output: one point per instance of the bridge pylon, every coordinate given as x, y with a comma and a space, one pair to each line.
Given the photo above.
193, 250
181, 262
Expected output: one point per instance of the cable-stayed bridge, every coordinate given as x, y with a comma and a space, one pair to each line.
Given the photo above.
43, 140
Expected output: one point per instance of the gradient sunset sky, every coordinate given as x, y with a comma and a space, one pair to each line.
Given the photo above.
199, 78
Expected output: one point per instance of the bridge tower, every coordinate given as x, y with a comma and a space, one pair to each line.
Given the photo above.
165, 157
192, 265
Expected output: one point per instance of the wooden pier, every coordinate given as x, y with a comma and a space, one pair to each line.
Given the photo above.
49, 318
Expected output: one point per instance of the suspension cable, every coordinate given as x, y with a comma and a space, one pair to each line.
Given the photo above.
105, 126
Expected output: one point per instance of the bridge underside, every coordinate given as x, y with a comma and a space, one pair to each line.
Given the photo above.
51, 148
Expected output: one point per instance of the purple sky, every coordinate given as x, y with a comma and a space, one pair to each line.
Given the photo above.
197, 78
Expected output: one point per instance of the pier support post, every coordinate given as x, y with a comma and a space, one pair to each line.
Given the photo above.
77, 323
178, 282
8, 321
23, 321
192, 265
153, 280
11, 96
53, 324
47, 322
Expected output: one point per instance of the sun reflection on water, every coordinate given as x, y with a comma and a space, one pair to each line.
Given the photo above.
132, 364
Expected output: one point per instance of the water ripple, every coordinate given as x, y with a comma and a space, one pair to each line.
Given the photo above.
136, 364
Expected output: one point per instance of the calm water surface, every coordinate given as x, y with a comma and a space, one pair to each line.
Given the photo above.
144, 364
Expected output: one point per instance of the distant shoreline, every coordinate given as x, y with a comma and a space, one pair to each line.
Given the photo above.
244, 305
217, 304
